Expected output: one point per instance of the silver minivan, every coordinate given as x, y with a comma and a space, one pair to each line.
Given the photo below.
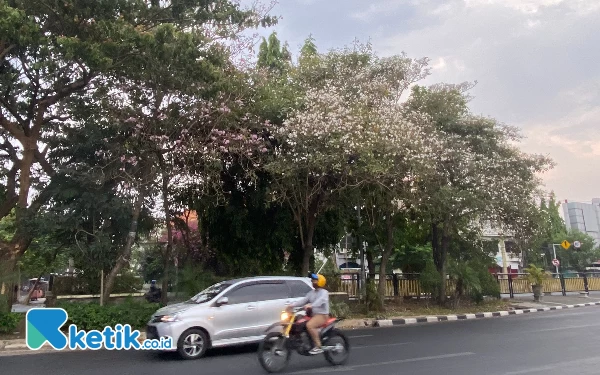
228, 313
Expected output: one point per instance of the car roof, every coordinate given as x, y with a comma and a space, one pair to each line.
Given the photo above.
265, 278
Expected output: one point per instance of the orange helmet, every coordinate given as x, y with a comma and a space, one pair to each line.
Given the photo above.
320, 279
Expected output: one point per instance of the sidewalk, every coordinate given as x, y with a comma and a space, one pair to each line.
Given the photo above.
522, 304
556, 299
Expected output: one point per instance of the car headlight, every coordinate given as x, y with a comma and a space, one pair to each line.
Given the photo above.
169, 318
285, 316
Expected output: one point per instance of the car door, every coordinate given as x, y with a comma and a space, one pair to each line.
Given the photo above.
240, 316
298, 289
275, 298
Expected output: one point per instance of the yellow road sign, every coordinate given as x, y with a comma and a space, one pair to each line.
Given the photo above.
565, 244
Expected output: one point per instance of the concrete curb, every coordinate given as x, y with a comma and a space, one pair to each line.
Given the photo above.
19, 344
445, 318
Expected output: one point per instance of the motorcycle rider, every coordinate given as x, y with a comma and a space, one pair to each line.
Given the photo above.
318, 301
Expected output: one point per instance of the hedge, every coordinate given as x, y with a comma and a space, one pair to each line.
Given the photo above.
10, 321
89, 316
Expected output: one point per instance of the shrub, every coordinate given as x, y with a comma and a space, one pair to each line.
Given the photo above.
193, 280
339, 309
489, 286
430, 280
9, 322
90, 316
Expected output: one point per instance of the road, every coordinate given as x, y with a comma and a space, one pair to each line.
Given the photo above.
557, 342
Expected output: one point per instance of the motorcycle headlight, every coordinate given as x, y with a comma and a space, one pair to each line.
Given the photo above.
169, 318
285, 316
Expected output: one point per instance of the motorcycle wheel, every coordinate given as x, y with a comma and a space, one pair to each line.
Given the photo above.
339, 354
273, 352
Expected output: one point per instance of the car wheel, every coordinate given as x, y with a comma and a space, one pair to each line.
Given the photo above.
192, 344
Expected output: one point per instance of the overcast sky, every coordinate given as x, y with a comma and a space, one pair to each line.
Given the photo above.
537, 64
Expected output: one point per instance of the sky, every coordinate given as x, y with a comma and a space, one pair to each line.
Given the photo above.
536, 63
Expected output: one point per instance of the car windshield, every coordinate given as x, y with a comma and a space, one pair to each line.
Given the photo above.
208, 293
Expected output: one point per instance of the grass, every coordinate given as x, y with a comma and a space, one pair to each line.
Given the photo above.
424, 307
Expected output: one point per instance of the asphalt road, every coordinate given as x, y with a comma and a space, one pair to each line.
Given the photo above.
555, 342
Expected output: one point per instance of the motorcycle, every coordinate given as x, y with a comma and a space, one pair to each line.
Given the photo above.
276, 348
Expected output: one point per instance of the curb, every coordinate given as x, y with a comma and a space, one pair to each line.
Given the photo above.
444, 318
20, 344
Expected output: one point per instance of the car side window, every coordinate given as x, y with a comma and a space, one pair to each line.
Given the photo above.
258, 292
299, 288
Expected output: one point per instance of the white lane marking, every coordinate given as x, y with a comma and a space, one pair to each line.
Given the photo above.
382, 345
562, 328
593, 360
350, 368
359, 336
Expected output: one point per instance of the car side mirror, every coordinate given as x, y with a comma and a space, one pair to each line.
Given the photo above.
222, 301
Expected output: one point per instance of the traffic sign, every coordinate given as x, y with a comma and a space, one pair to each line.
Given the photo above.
555, 262
576, 244
565, 244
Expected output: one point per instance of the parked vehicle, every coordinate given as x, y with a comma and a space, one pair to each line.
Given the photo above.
233, 312
276, 349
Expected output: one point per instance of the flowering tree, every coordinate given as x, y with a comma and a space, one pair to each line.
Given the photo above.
347, 131
479, 175
51, 53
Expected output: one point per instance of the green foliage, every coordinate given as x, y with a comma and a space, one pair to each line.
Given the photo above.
576, 258
473, 279
192, 280
535, 275
489, 285
126, 282
88, 316
339, 309
429, 279
151, 264
10, 321
272, 56
374, 301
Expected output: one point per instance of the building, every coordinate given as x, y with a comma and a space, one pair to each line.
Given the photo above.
507, 261
584, 217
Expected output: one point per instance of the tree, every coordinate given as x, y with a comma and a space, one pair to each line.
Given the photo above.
580, 258
343, 134
272, 56
52, 52
480, 177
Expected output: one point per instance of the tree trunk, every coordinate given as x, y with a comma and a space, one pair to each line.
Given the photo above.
309, 232
440, 242
169, 248
307, 254
8, 265
385, 256
370, 261
164, 296
126, 252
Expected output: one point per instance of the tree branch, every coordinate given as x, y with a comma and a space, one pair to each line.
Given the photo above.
5, 51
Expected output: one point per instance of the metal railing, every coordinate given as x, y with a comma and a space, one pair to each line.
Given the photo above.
408, 285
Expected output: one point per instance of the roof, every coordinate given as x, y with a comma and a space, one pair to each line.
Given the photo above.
260, 278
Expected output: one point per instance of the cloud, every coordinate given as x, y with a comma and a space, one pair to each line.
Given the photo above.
536, 63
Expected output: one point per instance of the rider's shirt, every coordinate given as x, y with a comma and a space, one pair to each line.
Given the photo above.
319, 300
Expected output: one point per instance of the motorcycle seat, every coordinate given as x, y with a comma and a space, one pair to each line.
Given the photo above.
328, 322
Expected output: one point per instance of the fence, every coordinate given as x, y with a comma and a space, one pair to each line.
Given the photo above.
408, 285
397, 285
73, 284
559, 283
